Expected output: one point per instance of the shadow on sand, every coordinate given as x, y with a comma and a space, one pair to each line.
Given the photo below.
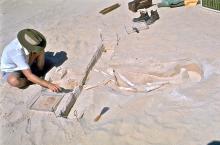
214, 143
52, 59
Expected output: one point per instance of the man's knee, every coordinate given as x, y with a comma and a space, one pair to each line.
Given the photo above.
15, 81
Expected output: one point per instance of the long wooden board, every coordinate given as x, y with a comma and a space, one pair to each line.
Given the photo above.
109, 9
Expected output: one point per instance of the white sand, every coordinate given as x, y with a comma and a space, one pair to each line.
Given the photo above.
183, 112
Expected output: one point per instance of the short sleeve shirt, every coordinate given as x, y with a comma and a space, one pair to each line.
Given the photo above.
14, 57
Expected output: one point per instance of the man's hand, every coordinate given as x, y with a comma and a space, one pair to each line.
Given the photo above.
54, 87
35, 79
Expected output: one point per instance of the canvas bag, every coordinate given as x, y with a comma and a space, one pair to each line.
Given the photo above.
190, 3
167, 3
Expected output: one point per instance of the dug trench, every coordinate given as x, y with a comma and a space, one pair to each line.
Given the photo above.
69, 99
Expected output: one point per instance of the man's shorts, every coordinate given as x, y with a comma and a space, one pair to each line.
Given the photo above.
19, 73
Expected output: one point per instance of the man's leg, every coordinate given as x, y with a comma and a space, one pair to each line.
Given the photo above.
37, 58
41, 60
37, 61
15, 80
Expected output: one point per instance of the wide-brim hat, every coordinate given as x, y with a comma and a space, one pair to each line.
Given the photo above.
34, 35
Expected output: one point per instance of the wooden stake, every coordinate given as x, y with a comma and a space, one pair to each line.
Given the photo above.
109, 9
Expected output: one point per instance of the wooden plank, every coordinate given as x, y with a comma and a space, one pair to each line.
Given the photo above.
69, 99
109, 9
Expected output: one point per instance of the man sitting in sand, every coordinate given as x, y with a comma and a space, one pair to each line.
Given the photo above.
19, 56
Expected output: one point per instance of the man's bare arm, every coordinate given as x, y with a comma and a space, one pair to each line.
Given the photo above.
35, 79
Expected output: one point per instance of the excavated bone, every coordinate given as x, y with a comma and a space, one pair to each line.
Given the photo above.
133, 87
123, 78
187, 72
61, 72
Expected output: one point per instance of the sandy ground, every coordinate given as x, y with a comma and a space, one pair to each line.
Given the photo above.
181, 48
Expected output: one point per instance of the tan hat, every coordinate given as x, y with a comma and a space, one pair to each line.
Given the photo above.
32, 40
